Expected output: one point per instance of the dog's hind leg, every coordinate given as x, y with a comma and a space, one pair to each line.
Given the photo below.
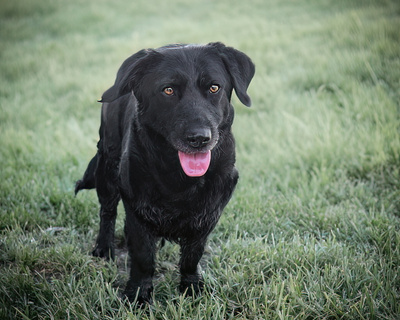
109, 196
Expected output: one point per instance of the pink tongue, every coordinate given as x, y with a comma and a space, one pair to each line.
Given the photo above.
195, 164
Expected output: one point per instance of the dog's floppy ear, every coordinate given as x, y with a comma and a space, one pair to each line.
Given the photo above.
240, 68
129, 73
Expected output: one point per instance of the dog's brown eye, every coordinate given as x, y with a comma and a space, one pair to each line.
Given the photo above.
214, 88
168, 91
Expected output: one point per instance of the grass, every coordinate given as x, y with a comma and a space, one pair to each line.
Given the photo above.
313, 231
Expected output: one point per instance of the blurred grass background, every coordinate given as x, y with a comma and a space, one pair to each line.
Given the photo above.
313, 229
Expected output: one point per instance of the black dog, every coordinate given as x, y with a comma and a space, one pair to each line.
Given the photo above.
166, 148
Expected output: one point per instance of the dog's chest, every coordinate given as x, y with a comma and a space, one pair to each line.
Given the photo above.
174, 215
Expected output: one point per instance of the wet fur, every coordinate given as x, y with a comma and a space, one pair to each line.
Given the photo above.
141, 132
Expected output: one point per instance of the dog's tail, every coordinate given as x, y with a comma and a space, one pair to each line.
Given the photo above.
88, 181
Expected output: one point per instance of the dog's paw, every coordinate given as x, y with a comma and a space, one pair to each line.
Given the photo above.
106, 253
141, 295
191, 285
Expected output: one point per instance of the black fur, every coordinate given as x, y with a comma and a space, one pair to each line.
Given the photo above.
142, 129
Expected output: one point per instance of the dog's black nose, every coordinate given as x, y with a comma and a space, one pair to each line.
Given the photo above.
199, 138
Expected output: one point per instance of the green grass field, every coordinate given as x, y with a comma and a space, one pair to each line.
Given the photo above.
313, 230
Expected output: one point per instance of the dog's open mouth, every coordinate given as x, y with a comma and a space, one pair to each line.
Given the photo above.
195, 164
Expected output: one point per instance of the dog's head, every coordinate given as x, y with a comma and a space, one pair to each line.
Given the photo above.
183, 94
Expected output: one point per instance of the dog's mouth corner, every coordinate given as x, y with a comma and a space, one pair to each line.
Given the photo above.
195, 164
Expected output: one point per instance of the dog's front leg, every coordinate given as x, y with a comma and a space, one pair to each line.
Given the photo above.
142, 247
191, 253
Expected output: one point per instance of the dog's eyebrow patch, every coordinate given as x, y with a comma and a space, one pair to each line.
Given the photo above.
206, 80
176, 81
